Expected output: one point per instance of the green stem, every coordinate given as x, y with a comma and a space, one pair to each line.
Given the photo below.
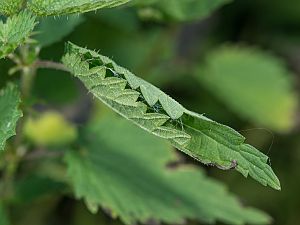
50, 65
27, 79
15, 155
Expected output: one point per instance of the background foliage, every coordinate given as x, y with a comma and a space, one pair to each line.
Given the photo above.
236, 61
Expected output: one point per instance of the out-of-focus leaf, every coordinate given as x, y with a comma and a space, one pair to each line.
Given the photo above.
124, 170
128, 24
9, 112
154, 111
15, 31
60, 7
52, 30
183, 10
252, 83
3, 216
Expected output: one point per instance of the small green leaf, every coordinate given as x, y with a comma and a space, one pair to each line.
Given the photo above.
9, 112
10, 7
253, 83
15, 31
153, 110
59, 7
128, 177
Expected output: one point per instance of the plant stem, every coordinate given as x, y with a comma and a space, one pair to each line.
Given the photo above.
50, 65
15, 155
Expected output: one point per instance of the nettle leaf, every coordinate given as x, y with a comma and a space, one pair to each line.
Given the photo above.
9, 112
15, 31
59, 7
183, 10
153, 110
132, 181
10, 7
253, 83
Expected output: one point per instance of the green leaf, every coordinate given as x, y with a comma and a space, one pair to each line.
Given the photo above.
15, 32
253, 83
3, 216
183, 10
10, 7
159, 114
124, 170
59, 7
52, 30
9, 112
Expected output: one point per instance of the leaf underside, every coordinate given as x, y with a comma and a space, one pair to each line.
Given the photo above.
9, 113
151, 109
128, 182
60, 7
15, 31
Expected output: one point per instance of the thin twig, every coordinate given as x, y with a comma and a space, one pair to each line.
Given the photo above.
42, 153
51, 65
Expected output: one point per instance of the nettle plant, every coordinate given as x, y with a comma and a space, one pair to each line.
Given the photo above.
109, 163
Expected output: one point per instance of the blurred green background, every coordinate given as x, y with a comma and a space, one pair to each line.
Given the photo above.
239, 66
